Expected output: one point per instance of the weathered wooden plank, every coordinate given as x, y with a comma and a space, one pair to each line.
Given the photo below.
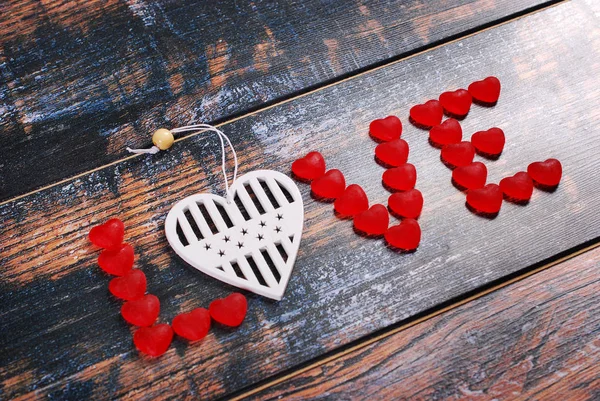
81, 80
536, 339
62, 335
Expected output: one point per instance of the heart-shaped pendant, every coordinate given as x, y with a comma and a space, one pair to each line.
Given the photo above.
250, 242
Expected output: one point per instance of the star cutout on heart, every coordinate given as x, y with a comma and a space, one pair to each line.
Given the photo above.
240, 245
226, 238
207, 246
260, 237
221, 252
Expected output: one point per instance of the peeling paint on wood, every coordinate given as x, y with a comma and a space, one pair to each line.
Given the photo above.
58, 322
80, 79
537, 339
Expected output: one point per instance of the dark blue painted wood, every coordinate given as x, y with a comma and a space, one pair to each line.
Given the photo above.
61, 334
79, 81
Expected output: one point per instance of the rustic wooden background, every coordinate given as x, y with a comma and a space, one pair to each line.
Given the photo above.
79, 80
62, 336
537, 339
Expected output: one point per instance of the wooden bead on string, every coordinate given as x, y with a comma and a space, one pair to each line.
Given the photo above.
163, 138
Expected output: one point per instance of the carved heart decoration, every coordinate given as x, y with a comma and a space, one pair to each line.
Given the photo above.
250, 243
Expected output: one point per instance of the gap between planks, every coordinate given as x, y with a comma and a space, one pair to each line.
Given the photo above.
336, 81
395, 330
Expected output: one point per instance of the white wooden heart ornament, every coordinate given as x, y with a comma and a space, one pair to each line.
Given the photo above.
250, 242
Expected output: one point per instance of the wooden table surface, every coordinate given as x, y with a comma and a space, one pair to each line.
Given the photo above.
457, 319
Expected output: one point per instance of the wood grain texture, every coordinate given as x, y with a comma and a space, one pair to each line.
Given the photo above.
81, 80
62, 335
536, 339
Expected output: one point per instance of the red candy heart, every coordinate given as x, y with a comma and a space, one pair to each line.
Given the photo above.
141, 312
372, 222
519, 187
406, 204
192, 326
353, 201
546, 174
486, 91
486, 200
392, 153
117, 262
489, 143
229, 311
458, 154
386, 129
446, 133
309, 167
457, 103
401, 178
329, 186
108, 235
405, 236
153, 341
130, 287
428, 114
471, 176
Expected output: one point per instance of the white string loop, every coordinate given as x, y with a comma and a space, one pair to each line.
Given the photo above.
153, 150
198, 129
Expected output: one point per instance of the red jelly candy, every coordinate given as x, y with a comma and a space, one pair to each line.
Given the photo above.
471, 176
458, 154
192, 326
546, 174
519, 187
117, 262
401, 178
405, 236
141, 312
393, 153
329, 186
489, 143
486, 91
457, 103
229, 311
108, 235
428, 114
309, 167
386, 129
353, 201
406, 204
486, 200
446, 133
130, 287
372, 222
153, 341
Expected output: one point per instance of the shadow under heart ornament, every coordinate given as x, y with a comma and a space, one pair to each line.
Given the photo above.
248, 239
